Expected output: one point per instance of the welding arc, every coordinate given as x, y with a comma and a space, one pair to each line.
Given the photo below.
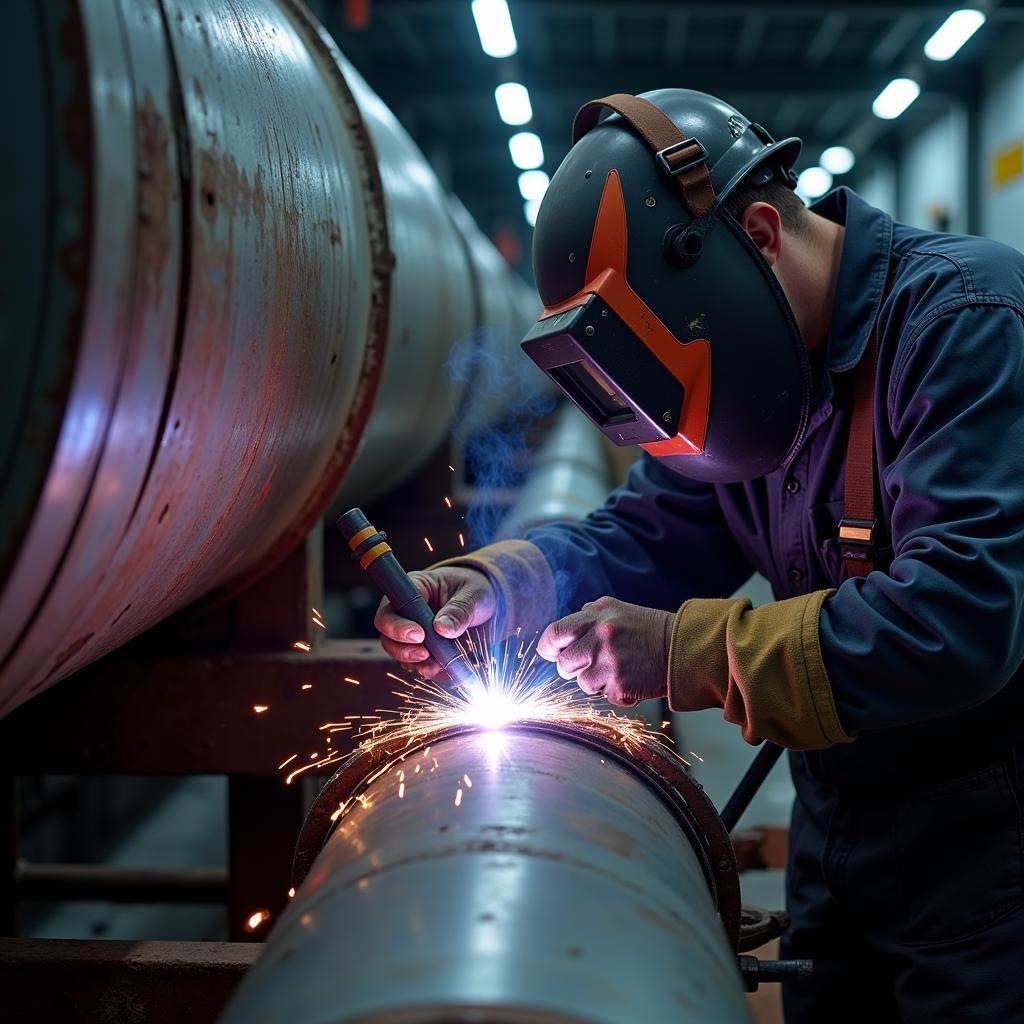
377, 559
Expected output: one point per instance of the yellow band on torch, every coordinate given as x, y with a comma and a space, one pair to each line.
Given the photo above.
375, 552
356, 539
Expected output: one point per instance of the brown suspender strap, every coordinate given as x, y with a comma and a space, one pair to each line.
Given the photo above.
681, 158
858, 527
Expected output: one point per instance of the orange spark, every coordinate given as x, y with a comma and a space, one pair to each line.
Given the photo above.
349, 679
665, 725
696, 755
260, 708
287, 761
466, 779
426, 540
452, 468
256, 918
397, 679
291, 893
301, 645
317, 622
458, 797
401, 790
448, 501
462, 541
307, 686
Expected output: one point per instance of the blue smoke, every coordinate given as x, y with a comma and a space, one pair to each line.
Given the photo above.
505, 395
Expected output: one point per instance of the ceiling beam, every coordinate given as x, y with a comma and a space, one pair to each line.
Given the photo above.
825, 39
579, 81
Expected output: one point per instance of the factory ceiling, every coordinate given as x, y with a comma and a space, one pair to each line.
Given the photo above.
800, 68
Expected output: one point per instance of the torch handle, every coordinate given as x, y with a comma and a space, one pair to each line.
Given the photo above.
376, 558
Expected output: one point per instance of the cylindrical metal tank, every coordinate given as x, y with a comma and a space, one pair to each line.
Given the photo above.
218, 275
571, 476
526, 875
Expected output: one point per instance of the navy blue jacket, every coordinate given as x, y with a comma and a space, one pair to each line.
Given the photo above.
924, 655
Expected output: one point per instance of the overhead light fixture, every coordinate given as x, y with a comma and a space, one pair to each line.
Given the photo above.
953, 33
814, 182
494, 24
895, 98
837, 159
527, 151
530, 208
513, 101
533, 184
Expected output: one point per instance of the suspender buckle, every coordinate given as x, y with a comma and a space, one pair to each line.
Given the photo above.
674, 170
857, 537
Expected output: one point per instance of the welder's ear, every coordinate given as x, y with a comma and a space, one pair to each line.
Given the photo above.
764, 225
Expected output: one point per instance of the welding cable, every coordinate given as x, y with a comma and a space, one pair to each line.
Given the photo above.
753, 777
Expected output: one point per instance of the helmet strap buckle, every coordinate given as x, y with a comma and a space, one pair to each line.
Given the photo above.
677, 159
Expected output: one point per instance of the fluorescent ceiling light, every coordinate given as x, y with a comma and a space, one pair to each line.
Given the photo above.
814, 182
530, 208
513, 102
895, 98
527, 151
494, 23
533, 184
953, 33
837, 159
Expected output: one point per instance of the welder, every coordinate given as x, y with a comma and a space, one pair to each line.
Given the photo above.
836, 401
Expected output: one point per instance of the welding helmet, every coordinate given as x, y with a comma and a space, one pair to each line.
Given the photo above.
662, 321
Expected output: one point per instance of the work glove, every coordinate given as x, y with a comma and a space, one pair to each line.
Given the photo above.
612, 648
461, 597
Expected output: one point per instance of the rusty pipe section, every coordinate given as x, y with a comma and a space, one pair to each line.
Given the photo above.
527, 875
228, 273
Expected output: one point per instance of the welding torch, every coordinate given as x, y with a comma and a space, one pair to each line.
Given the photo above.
369, 546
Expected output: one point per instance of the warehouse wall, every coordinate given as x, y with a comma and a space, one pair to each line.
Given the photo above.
877, 184
933, 174
1001, 149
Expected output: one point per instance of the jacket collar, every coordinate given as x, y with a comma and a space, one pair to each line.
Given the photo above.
863, 268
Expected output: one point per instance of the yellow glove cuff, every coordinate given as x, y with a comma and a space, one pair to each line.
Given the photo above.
762, 665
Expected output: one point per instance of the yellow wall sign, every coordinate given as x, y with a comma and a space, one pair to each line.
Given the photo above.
1008, 163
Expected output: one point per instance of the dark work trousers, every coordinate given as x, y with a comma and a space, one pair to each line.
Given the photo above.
915, 892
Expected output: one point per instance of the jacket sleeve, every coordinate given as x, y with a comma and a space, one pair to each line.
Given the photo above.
943, 630
657, 541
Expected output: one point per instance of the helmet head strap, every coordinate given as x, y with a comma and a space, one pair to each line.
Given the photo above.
681, 158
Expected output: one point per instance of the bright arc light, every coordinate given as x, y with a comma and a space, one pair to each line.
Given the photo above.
895, 98
530, 209
527, 151
494, 24
513, 101
814, 182
533, 184
953, 33
837, 159
493, 710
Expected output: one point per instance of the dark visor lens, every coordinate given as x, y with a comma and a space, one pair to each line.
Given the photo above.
595, 398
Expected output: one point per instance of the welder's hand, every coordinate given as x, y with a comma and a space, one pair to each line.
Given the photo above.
461, 597
614, 648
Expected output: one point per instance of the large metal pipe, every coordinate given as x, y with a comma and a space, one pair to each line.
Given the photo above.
223, 262
527, 875
570, 476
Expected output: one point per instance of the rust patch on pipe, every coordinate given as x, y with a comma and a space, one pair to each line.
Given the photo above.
156, 184
602, 834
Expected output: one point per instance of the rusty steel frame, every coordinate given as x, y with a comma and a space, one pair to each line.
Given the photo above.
100, 981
